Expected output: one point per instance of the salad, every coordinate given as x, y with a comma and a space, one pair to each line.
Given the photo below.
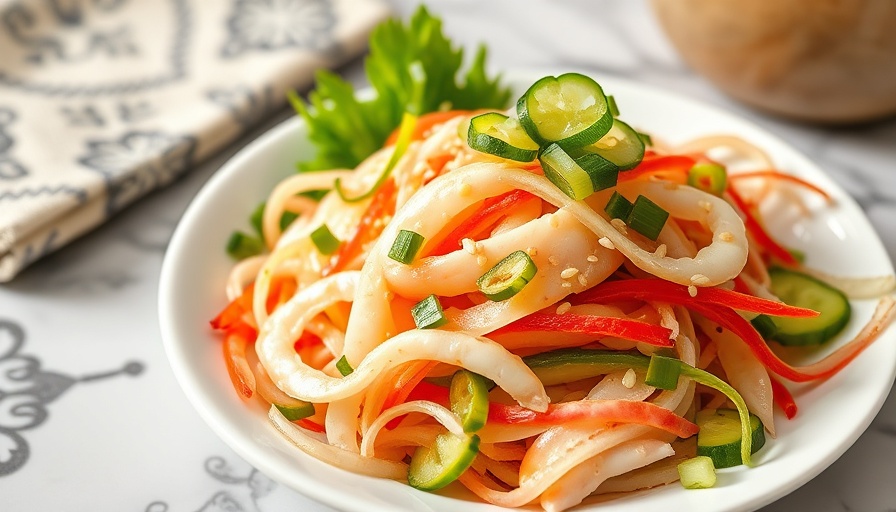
538, 303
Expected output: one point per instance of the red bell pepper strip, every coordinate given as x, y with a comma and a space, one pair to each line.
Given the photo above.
783, 399
382, 205
588, 324
233, 314
758, 232
312, 426
675, 164
425, 122
238, 367
404, 384
781, 176
608, 411
665, 291
491, 211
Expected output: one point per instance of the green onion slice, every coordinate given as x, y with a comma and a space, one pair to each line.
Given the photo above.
618, 207
344, 368
647, 218
469, 399
508, 277
324, 239
501, 136
663, 372
406, 246
405, 134
709, 177
611, 104
296, 412
428, 313
697, 473
241, 246
565, 173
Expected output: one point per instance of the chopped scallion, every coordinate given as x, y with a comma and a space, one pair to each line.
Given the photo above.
697, 473
709, 177
241, 246
428, 313
565, 173
324, 239
645, 138
663, 372
297, 412
611, 103
406, 246
508, 277
618, 207
257, 218
647, 218
344, 368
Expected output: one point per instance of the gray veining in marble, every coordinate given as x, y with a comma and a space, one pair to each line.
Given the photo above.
100, 293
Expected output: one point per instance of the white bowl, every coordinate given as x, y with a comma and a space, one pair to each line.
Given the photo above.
832, 415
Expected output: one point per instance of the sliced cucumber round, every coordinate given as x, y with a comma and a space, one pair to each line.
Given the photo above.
621, 145
434, 467
720, 435
570, 110
469, 399
798, 289
501, 136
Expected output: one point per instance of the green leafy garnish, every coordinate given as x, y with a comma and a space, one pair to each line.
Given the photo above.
345, 130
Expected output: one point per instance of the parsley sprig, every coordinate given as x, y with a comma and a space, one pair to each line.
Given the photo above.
345, 129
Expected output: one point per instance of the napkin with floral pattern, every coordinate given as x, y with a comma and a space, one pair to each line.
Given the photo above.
103, 101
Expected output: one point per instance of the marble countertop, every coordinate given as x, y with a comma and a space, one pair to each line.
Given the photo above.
105, 427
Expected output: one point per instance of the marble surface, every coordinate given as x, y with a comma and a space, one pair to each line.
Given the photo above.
84, 384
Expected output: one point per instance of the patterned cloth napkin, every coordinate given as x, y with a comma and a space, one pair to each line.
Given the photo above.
102, 101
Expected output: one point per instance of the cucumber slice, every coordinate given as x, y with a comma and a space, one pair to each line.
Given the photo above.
469, 399
720, 435
798, 289
570, 110
501, 136
434, 467
621, 145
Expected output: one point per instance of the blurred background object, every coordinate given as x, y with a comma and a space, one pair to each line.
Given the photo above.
829, 61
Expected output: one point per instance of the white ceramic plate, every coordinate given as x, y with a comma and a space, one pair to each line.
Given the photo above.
832, 415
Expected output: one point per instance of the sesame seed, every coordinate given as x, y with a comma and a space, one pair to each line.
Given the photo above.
606, 242
481, 260
619, 225
428, 175
660, 251
555, 222
569, 272
468, 245
532, 251
699, 279
582, 280
628, 380
725, 236
553, 261
706, 205
692, 291
563, 308
593, 259
566, 285
465, 189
